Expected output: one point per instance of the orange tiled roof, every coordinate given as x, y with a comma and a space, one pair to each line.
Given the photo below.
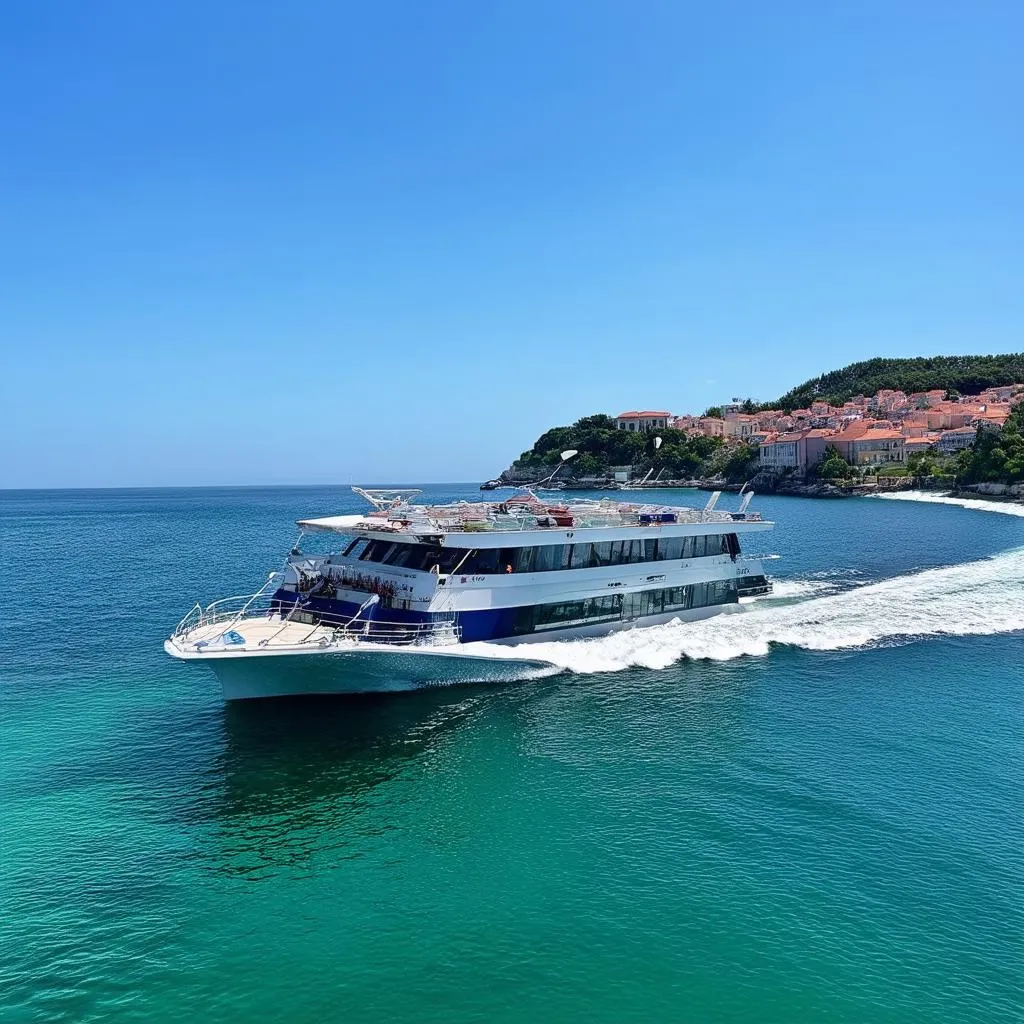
880, 435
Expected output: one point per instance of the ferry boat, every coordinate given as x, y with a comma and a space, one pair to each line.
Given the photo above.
417, 595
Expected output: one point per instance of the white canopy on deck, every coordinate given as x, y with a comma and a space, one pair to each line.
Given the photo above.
332, 524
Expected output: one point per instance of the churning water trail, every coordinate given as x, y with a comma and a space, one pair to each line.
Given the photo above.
1006, 508
792, 589
972, 599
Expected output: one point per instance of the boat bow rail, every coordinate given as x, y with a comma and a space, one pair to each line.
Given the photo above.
260, 622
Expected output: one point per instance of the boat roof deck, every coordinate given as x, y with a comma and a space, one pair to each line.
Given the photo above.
394, 512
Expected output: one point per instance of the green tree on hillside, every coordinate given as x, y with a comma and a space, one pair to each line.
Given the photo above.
996, 456
737, 463
833, 466
602, 446
967, 375
587, 464
922, 464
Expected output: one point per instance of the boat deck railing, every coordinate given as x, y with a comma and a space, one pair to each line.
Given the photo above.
265, 621
470, 519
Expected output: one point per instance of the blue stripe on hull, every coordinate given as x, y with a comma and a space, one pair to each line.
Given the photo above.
486, 624
479, 625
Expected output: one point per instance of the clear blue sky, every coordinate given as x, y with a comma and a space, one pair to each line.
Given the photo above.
327, 242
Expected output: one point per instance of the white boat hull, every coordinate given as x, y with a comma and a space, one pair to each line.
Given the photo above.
368, 669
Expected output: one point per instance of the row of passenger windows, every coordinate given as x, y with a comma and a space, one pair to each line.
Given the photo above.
543, 557
423, 557
565, 614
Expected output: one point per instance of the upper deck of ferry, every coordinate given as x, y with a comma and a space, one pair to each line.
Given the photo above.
396, 514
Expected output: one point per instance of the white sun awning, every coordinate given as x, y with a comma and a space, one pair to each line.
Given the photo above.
332, 524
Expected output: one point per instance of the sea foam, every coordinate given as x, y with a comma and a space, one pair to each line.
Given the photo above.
973, 598
790, 590
1006, 508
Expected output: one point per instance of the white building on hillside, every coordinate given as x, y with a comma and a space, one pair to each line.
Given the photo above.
642, 420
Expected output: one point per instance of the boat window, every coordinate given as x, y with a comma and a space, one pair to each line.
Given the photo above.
568, 613
581, 556
376, 551
422, 557
670, 548
395, 553
403, 555
506, 558
432, 557
624, 606
524, 559
541, 557
449, 558
483, 562
707, 545
356, 548
550, 557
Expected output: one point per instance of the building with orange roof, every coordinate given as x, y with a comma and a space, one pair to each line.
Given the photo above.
914, 428
865, 443
991, 420
780, 452
646, 420
797, 449
712, 426
739, 426
683, 422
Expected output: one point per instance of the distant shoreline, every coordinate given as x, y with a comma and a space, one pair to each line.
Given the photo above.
1010, 493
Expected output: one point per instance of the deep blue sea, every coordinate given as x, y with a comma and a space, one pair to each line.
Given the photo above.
811, 810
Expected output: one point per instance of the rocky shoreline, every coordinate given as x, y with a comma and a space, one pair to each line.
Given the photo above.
823, 489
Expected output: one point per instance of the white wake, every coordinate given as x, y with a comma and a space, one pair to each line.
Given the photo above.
974, 598
793, 589
1006, 508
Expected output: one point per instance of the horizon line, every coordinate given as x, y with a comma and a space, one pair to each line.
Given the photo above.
201, 487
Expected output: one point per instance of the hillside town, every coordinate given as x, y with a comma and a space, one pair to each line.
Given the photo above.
879, 431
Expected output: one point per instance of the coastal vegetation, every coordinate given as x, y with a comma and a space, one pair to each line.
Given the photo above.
602, 449
833, 466
964, 375
996, 456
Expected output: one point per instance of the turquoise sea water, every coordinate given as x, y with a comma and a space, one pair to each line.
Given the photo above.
808, 811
